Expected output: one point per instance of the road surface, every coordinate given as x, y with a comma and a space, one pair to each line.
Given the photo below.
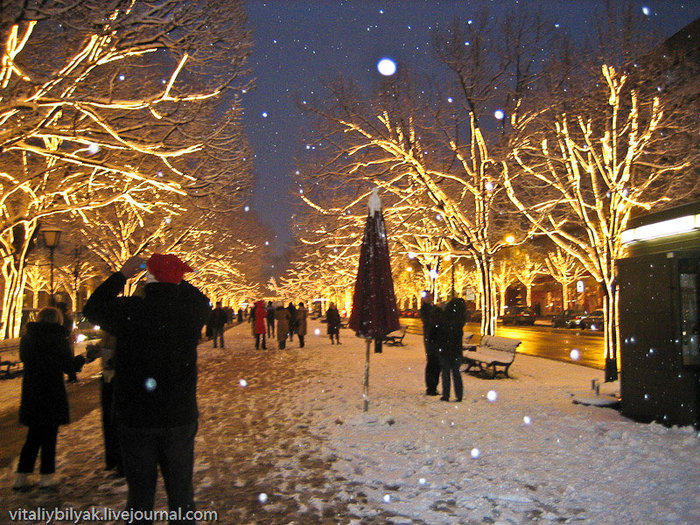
542, 341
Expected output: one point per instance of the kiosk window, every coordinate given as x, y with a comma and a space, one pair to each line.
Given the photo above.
689, 311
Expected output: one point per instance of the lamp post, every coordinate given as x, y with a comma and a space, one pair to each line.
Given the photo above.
51, 238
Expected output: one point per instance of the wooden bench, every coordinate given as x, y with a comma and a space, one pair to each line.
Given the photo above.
395, 338
494, 352
10, 364
467, 344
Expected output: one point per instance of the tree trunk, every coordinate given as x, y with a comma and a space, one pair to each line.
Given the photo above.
564, 296
14, 281
612, 333
502, 300
489, 308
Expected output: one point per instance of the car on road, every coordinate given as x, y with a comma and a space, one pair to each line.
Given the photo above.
518, 315
565, 318
592, 320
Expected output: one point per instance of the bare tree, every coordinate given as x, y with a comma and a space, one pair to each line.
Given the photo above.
580, 183
565, 269
109, 115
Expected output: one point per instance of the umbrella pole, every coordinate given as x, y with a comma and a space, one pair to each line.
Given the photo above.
365, 396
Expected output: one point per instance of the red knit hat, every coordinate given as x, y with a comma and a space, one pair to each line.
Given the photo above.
167, 268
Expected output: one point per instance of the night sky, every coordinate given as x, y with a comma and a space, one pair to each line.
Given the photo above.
296, 42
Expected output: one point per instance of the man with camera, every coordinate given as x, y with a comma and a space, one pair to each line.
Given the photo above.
155, 390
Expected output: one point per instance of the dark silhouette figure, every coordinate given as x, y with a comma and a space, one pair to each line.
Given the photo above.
451, 331
155, 391
46, 355
429, 314
217, 323
333, 323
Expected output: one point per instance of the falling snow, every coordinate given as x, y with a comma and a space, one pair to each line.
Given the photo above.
294, 446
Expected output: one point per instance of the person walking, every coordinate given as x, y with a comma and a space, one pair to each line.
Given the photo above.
217, 323
302, 314
333, 322
46, 355
450, 346
270, 319
292, 320
257, 319
155, 390
282, 318
429, 314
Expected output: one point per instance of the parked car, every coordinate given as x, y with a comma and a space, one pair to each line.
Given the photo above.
518, 315
593, 320
565, 318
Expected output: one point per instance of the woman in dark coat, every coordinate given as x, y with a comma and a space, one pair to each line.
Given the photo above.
333, 322
46, 355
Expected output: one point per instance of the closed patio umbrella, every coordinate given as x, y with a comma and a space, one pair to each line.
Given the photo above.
374, 313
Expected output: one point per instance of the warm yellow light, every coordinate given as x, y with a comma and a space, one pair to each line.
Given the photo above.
409, 269
446, 258
510, 239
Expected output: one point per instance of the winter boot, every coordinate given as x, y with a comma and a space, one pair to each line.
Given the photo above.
22, 482
48, 482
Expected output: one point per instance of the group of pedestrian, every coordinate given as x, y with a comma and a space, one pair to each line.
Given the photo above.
150, 377
280, 321
443, 328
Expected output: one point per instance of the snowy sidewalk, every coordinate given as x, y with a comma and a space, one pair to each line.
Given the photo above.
289, 424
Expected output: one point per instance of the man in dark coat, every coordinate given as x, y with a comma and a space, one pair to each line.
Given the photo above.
429, 314
451, 330
292, 320
270, 320
217, 323
155, 376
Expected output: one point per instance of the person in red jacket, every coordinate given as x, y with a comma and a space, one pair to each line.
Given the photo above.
155, 390
258, 319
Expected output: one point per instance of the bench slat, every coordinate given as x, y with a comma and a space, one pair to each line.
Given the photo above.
493, 352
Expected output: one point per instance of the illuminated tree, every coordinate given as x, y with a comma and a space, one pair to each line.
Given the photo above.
73, 277
108, 116
526, 270
565, 269
503, 277
37, 280
580, 182
426, 147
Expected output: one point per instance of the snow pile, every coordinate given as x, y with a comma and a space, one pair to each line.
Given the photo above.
283, 439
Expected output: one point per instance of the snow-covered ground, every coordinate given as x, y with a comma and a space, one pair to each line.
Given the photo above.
289, 424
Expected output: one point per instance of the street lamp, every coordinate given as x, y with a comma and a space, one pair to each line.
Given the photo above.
51, 238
